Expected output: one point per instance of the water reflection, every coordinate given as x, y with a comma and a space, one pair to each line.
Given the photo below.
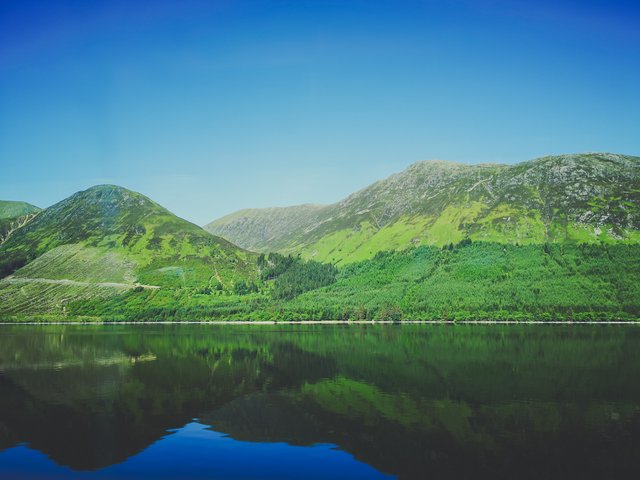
195, 451
409, 401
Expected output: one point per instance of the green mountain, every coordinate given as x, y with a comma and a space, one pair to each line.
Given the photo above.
105, 241
11, 209
554, 238
579, 198
13, 216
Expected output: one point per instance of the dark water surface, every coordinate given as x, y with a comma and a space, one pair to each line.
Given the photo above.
304, 402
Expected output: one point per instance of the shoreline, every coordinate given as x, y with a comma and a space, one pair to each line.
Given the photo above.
334, 322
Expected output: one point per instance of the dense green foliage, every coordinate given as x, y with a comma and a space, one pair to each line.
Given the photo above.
467, 281
487, 281
293, 276
281, 278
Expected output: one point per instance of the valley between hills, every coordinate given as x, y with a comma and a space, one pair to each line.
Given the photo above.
555, 238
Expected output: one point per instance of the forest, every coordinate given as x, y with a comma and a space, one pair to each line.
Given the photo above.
464, 281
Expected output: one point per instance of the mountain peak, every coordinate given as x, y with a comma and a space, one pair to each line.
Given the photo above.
583, 197
434, 162
106, 187
114, 218
108, 191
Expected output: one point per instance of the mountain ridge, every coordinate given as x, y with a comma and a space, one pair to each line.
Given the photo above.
255, 232
15, 209
588, 197
438, 240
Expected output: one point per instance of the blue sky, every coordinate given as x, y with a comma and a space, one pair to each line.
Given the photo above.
212, 106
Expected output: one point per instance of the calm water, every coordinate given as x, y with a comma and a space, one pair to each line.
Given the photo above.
201, 401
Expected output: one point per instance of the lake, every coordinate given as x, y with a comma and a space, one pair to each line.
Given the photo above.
319, 401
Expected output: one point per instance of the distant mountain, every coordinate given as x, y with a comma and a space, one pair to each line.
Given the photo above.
259, 229
106, 240
11, 209
578, 198
13, 216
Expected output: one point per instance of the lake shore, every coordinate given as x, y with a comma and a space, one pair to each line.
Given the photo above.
332, 322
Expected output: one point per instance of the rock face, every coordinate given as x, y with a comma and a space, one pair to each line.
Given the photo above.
581, 197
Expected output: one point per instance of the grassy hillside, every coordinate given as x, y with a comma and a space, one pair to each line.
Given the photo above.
113, 218
14, 215
260, 229
466, 281
554, 238
107, 239
568, 198
480, 280
11, 209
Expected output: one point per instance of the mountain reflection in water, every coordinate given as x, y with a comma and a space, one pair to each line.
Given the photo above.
202, 401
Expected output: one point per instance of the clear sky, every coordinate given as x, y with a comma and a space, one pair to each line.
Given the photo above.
212, 106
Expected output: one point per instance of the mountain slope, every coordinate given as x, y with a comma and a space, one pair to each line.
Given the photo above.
482, 280
112, 217
581, 198
554, 238
257, 228
12, 209
468, 281
15, 215
107, 239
